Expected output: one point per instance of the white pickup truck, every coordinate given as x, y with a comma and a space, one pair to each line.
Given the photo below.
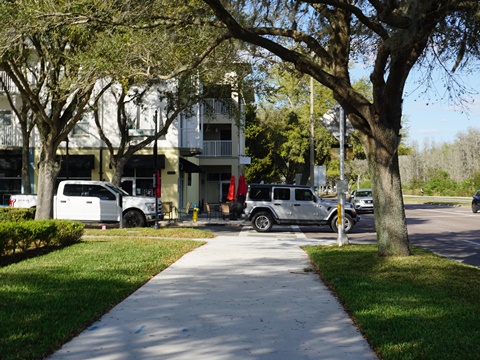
96, 201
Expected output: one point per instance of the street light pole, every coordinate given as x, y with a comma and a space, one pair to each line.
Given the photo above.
312, 142
342, 236
67, 169
155, 165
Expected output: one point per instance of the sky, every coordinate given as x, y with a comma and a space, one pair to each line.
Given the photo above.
430, 115
439, 121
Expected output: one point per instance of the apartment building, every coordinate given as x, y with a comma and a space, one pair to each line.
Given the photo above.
201, 151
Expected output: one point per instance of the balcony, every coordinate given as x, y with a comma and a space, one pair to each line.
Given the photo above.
6, 83
189, 142
217, 148
10, 137
218, 106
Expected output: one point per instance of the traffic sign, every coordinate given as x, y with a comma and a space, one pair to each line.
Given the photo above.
331, 121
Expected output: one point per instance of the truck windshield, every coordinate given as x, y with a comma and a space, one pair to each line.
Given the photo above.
116, 189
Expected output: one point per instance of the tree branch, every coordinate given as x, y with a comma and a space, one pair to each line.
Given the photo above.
372, 25
299, 36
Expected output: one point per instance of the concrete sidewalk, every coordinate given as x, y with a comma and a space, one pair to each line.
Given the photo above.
233, 298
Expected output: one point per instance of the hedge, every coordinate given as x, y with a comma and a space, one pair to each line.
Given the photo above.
16, 214
27, 234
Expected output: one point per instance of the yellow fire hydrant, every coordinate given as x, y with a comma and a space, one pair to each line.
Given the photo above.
195, 213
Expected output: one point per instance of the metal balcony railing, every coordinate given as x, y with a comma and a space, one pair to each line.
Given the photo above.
217, 148
189, 138
218, 106
9, 136
7, 83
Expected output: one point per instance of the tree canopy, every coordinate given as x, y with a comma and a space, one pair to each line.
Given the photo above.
74, 42
56, 53
278, 137
322, 38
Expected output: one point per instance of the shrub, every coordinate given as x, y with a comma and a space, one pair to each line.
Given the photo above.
26, 234
67, 232
366, 184
416, 183
466, 188
3, 240
11, 234
440, 184
16, 214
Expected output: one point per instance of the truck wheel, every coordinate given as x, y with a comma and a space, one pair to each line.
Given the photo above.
347, 223
133, 218
262, 222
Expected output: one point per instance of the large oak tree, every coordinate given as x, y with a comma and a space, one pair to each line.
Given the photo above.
41, 60
57, 52
322, 38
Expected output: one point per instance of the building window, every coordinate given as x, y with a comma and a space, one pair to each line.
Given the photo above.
82, 128
5, 117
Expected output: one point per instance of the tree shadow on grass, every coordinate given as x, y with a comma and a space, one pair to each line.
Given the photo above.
19, 255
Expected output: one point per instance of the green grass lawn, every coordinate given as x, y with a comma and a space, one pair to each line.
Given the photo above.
166, 232
47, 300
435, 200
418, 307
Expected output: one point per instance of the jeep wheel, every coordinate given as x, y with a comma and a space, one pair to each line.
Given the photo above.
347, 223
133, 218
262, 221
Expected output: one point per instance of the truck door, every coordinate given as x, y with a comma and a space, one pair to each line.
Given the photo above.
86, 203
69, 203
106, 203
282, 202
306, 207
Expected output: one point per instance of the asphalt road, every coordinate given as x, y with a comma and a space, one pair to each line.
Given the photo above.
449, 231
453, 232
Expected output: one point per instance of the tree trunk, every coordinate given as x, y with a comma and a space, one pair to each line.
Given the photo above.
47, 174
390, 221
117, 166
116, 176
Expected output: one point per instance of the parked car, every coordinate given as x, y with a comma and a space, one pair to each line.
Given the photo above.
96, 201
476, 202
267, 204
362, 200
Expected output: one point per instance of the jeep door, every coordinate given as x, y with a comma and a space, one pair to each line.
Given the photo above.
282, 203
306, 207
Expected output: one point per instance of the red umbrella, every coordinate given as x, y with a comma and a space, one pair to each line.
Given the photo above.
231, 189
242, 186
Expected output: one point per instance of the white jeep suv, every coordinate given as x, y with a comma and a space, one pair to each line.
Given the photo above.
267, 204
